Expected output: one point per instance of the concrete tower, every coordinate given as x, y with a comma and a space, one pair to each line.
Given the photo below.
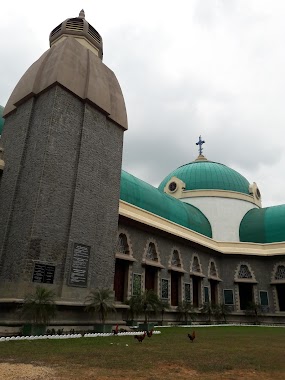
59, 194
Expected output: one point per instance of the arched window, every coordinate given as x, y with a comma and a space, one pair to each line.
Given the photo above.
175, 259
280, 272
196, 267
151, 253
213, 269
122, 245
244, 272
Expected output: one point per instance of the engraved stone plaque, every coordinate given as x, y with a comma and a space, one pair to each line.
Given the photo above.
79, 265
43, 273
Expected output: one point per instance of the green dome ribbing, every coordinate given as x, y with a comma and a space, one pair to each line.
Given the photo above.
265, 225
147, 197
208, 175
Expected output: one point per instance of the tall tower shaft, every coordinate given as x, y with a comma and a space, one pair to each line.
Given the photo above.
59, 194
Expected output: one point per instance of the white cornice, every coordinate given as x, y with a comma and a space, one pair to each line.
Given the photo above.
252, 249
218, 194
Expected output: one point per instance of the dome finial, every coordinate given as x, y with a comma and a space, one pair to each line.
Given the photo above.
82, 13
200, 143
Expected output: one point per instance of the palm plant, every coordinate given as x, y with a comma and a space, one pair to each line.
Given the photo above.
134, 307
163, 306
149, 302
254, 310
222, 311
39, 307
186, 310
145, 303
100, 301
207, 310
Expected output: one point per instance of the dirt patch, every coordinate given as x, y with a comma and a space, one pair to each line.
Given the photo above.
25, 372
161, 372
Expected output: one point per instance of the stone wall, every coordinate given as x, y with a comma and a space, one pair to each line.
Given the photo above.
60, 186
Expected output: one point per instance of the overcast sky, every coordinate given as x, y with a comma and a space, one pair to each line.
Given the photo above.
214, 68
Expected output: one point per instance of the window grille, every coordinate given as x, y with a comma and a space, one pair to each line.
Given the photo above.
122, 246
244, 272
151, 252
164, 288
280, 272
187, 289
137, 284
196, 265
175, 260
213, 270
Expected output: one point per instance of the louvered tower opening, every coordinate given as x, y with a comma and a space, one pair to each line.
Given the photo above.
75, 24
94, 34
56, 30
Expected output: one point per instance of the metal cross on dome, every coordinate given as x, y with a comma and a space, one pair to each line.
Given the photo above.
200, 143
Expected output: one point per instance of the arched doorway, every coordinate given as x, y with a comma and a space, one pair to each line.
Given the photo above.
279, 282
245, 281
152, 267
123, 261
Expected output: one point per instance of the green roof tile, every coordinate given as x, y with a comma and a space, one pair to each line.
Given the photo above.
147, 197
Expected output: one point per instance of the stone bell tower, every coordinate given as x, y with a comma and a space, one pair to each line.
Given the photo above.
59, 192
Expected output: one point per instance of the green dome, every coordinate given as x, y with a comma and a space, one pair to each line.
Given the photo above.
147, 197
265, 225
1, 119
208, 175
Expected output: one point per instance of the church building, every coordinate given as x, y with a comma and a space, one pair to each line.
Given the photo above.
72, 220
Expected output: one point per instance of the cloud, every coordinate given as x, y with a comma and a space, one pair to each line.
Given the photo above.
213, 68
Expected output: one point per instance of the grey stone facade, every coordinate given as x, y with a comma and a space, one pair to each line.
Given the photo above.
227, 267
60, 187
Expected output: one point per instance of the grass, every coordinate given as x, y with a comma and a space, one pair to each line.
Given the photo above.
214, 351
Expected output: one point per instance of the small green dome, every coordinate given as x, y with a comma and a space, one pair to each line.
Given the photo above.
207, 175
1, 119
149, 198
265, 225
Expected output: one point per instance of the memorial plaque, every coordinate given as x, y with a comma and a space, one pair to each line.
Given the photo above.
79, 265
43, 273
49, 274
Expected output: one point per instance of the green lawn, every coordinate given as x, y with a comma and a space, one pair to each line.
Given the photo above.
215, 349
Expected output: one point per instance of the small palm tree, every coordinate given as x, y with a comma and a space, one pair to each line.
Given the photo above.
135, 307
254, 310
207, 310
39, 307
163, 306
222, 311
100, 301
149, 302
186, 310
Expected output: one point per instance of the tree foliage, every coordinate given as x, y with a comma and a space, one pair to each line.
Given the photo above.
145, 303
39, 307
162, 307
186, 311
208, 310
254, 310
100, 301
